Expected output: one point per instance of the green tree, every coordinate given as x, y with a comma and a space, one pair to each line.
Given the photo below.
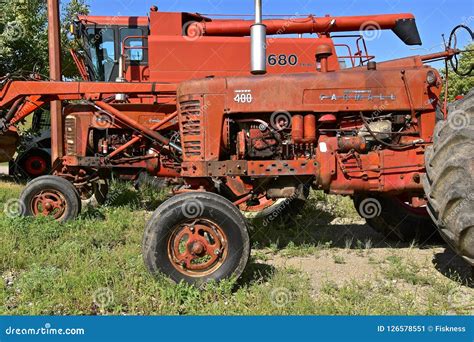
70, 11
458, 85
24, 35
23, 39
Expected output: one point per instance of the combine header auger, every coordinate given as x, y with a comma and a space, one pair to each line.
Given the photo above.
360, 131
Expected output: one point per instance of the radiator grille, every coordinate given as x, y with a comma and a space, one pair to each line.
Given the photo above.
70, 127
191, 123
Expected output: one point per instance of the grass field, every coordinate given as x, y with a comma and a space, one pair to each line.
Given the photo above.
326, 262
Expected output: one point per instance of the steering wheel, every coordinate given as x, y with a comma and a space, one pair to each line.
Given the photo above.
452, 44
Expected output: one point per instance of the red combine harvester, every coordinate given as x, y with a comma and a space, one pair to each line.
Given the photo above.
367, 131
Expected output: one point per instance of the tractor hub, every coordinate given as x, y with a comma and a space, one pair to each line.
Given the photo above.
49, 203
36, 166
197, 248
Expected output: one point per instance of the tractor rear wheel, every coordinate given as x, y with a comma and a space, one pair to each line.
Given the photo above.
282, 207
51, 196
449, 179
395, 219
196, 238
35, 164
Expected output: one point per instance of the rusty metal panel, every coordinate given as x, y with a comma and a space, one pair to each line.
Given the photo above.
213, 105
273, 168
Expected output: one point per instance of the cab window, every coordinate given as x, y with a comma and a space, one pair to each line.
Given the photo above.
102, 51
133, 55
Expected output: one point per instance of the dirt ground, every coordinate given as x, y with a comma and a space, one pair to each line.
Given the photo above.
365, 256
3, 169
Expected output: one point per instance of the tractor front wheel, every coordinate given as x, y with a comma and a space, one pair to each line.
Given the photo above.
449, 179
196, 238
51, 196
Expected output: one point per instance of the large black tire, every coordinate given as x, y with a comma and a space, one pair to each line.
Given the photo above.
33, 164
394, 219
190, 214
51, 196
449, 179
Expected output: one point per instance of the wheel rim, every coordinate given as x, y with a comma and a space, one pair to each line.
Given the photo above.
264, 208
35, 166
418, 211
87, 192
49, 203
263, 203
197, 248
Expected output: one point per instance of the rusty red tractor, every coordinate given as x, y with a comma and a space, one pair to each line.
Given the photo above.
377, 132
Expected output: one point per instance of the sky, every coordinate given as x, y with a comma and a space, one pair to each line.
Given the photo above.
434, 17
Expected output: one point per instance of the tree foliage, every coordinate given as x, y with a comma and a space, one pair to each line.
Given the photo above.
24, 36
458, 85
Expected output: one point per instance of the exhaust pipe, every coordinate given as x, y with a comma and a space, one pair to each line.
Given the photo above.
258, 34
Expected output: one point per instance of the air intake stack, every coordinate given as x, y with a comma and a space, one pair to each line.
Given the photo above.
259, 42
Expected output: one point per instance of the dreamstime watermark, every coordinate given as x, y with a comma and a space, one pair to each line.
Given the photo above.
370, 30
46, 330
458, 210
13, 30
282, 30
102, 120
459, 301
280, 120
459, 120
97, 37
193, 31
467, 20
14, 208
103, 297
192, 209
370, 208
280, 297
278, 211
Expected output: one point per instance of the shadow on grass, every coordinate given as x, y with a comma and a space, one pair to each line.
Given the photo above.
255, 272
320, 227
13, 179
146, 197
452, 266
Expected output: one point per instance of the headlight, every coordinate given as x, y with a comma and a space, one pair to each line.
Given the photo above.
431, 78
